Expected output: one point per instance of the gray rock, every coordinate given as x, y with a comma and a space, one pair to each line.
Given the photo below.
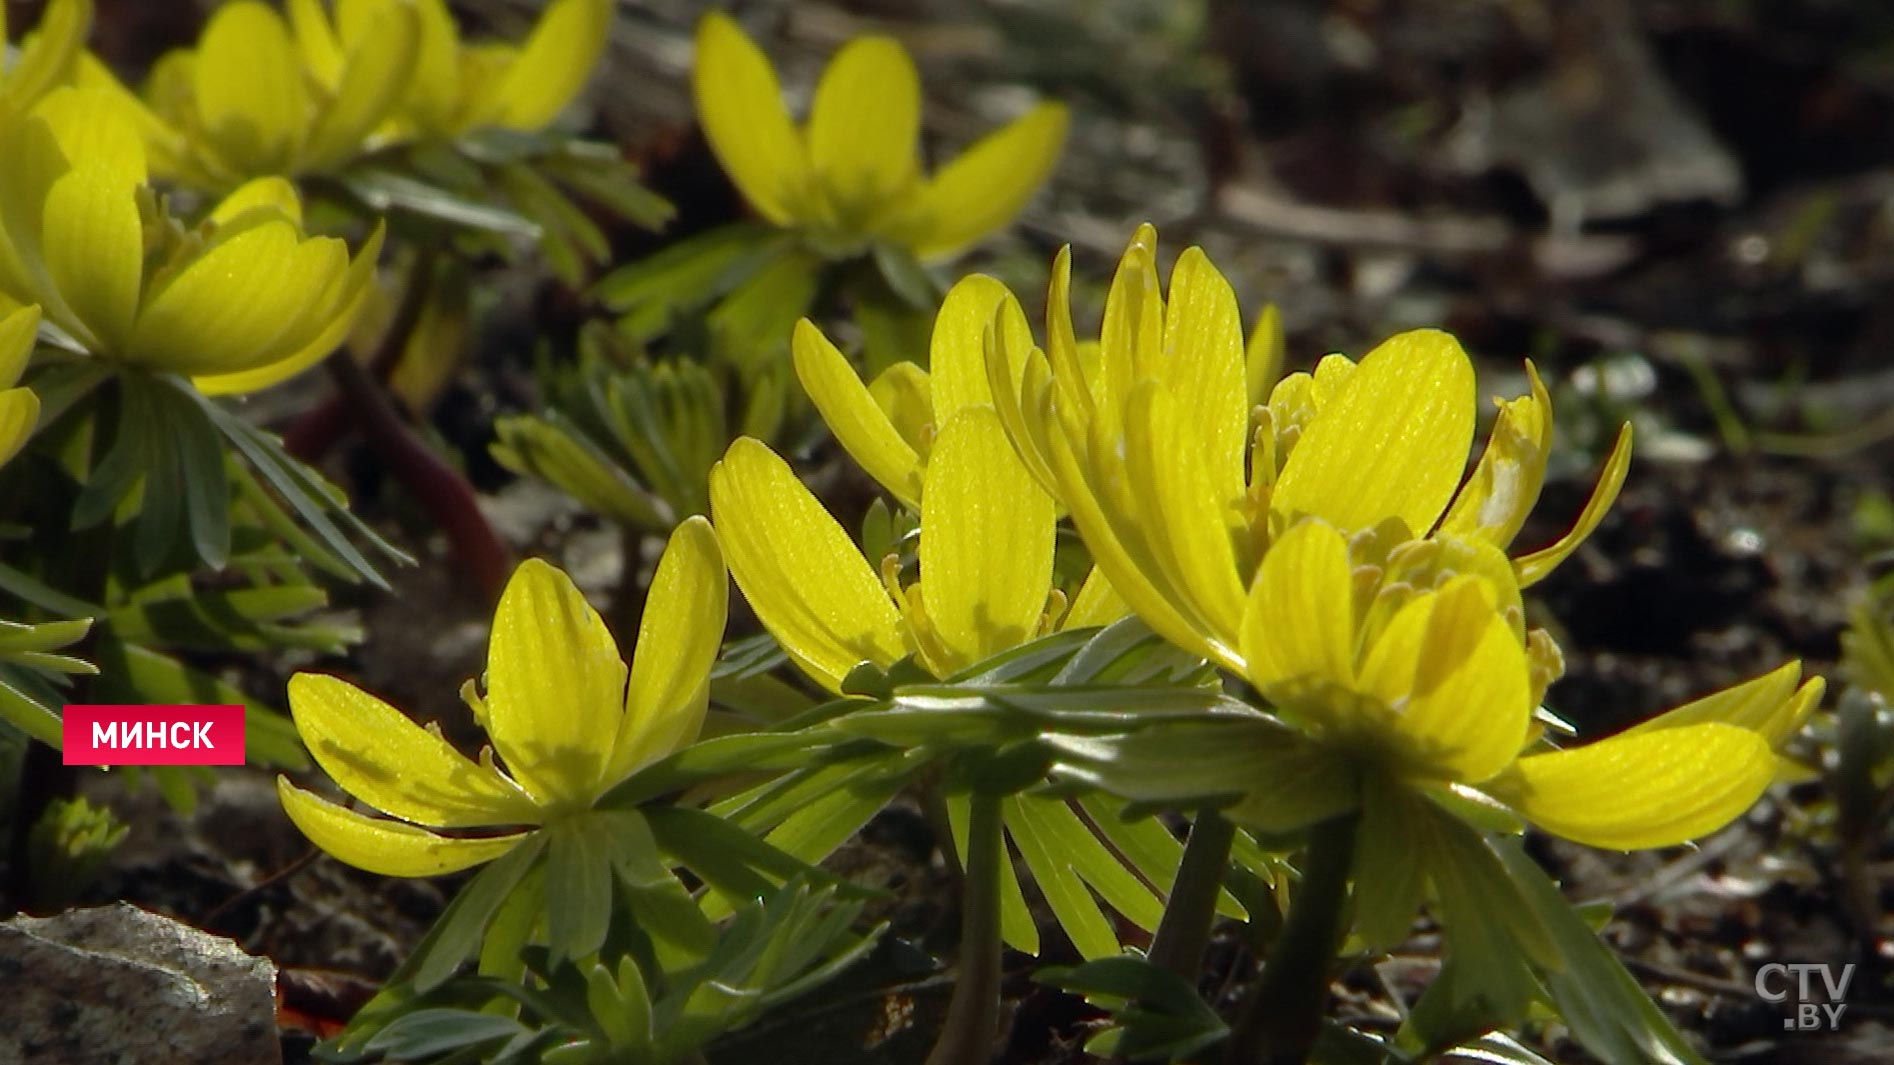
117, 985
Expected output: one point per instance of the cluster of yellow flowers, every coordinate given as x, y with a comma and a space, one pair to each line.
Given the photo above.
1318, 536
241, 297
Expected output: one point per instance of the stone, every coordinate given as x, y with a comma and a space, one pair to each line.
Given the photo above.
117, 985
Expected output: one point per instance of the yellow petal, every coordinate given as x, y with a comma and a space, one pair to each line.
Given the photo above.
380, 756
435, 95
249, 89
1504, 486
18, 330
987, 185
865, 127
93, 242
316, 42
987, 534
1014, 370
335, 328
231, 308
1770, 706
1456, 677
1096, 604
678, 638
1264, 355
376, 71
905, 396
1181, 511
19, 413
97, 129
1113, 556
1535, 566
741, 108
265, 193
554, 63
48, 55
858, 422
555, 686
164, 146
388, 848
1392, 442
1132, 337
1646, 789
956, 357
1299, 628
1203, 339
805, 579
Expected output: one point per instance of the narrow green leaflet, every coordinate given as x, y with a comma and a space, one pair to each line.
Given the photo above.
1598, 1000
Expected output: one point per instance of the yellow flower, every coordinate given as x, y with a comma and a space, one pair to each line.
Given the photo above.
888, 427
1149, 449
460, 87
986, 547
567, 719
263, 96
240, 302
1419, 675
852, 176
47, 58
19, 407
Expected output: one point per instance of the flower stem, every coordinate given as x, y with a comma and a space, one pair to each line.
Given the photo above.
973, 1014
1183, 933
1281, 1014
437, 486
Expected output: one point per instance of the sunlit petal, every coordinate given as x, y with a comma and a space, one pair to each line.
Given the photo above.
740, 105
1534, 567
805, 579
1392, 442
1299, 628
987, 535
554, 63
555, 686
388, 848
380, 756
1645, 789
678, 638
1454, 674
858, 422
864, 128
987, 185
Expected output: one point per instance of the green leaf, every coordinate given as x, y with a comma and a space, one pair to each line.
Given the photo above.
1016, 923
1598, 1000
456, 936
19, 708
1161, 1015
1278, 780
716, 757
1064, 891
578, 889
621, 1006
439, 1031
688, 275
385, 191
1388, 874
200, 463
313, 499
1148, 846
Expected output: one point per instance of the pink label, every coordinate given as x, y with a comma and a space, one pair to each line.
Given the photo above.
154, 735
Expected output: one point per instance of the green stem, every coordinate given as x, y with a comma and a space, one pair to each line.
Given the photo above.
973, 1014
1183, 933
437, 486
1281, 1014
